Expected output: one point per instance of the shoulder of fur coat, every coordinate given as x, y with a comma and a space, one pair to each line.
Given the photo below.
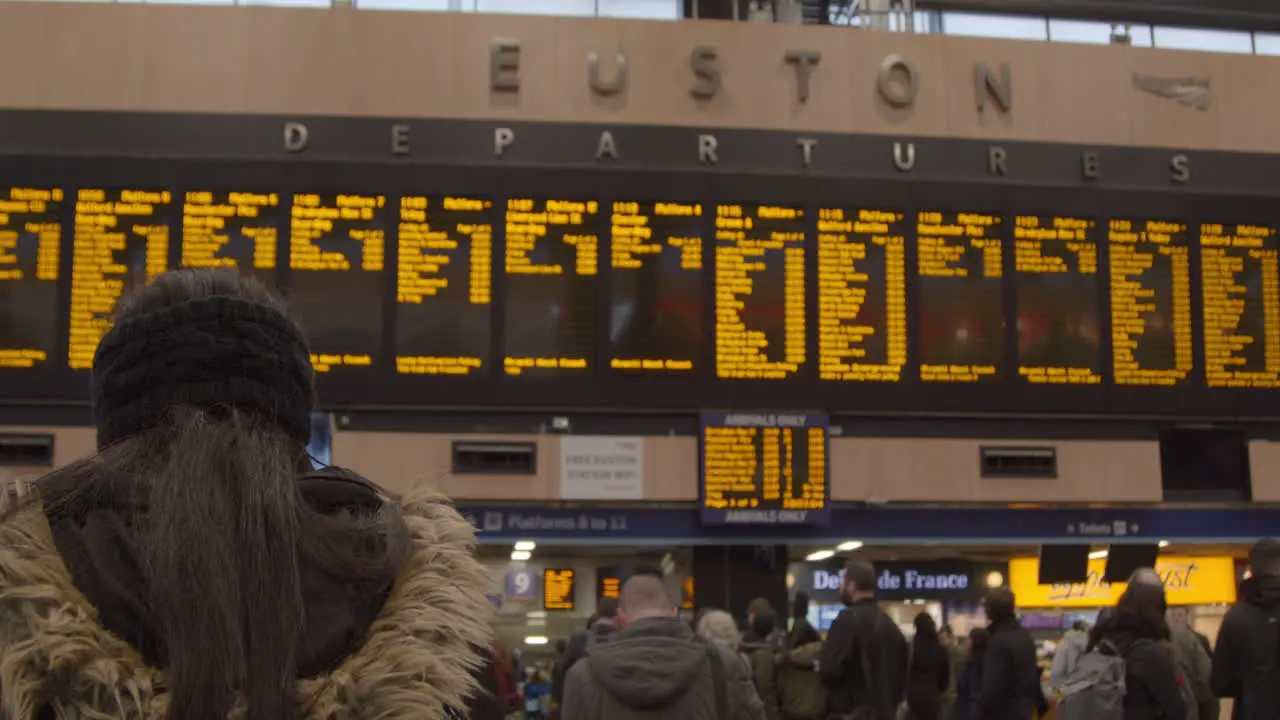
416, 660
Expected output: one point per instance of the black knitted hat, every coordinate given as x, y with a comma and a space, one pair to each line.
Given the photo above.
206, 353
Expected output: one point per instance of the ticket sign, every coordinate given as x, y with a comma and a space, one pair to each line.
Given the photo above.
558, 589
1187, 581
521, 584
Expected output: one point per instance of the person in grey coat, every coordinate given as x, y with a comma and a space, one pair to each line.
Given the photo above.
655, 667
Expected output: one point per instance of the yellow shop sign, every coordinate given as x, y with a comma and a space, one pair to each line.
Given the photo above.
1187, 581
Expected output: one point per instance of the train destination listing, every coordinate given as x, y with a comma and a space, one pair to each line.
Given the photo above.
768, 468
232, 229
961, 263
30, 249
862, 294
559, 589
444, 285
655, 287
337, 250
1057, 290
120, 241
1151, 325
1240, 286
550, 272
759, 291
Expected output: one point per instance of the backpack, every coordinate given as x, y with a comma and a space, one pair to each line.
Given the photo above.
1095, 688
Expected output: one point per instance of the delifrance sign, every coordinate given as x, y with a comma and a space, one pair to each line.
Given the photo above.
942, 579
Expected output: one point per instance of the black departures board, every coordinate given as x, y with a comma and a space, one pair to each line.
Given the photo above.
573, 289
763, 468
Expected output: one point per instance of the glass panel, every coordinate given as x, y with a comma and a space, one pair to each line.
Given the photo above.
432, 5
642, 9
564, 8
1080, 31
1012, 27
1223, 41
1266, 43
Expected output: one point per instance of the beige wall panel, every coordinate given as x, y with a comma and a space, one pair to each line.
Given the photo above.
400, 461
1084, 93
830, 103
869, 113
468, 63
670, 469
301, 62
1023, 121
912, 470
634, 103
197, 72
22, 53
1264, 466
404, 69
91, 58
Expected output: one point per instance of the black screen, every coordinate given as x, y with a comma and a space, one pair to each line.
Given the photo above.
760, 291
30, 244
550, 270
336, 255
1150, 302
1063, 564
862, 297
121, 241
1122, 560
655, 304
961, 303
233, 230
1057, 292
1240, 286
444, 285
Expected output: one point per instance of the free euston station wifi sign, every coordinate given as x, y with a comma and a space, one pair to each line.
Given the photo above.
763, 468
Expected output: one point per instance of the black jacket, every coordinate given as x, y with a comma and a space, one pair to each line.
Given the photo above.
927, 679
863, 630
1011, 680
969, 691
1245, 663
574, 651
1150, 675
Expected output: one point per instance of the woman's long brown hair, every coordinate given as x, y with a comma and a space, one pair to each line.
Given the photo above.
223, 534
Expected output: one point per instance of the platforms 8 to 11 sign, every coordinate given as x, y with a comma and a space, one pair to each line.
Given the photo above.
766, 468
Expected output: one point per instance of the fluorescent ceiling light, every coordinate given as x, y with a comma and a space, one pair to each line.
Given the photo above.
1097, 554
819, 555
525, 545
536, 640
521, 555
849, 546
536, 614
1163, 543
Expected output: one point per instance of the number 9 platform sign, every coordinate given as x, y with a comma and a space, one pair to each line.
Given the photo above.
521, 585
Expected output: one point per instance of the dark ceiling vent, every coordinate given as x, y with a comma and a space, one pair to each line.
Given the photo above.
494, 458
1019, 462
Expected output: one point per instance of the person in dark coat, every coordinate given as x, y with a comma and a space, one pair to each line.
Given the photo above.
1138, 632
487, 702
929, 673
969, 685
802, 631
599, 628
1246, 658
1011, 681
864, 661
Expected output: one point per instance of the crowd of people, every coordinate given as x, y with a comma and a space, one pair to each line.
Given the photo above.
197, 567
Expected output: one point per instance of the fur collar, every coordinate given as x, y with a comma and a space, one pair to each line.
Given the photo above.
415, 662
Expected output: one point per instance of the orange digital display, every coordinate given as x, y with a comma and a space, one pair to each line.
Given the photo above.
558, 586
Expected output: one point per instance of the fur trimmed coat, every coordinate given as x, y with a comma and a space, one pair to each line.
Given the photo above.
416, 660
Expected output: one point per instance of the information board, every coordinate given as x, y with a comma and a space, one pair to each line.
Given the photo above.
121, 241
764, 468
550, 270
233, 229
759, 292
558, 589
444, 285
30, 248
1240, 286
1151, 325
862, 295
655, 296
337, 251
1058, 293
960, 264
